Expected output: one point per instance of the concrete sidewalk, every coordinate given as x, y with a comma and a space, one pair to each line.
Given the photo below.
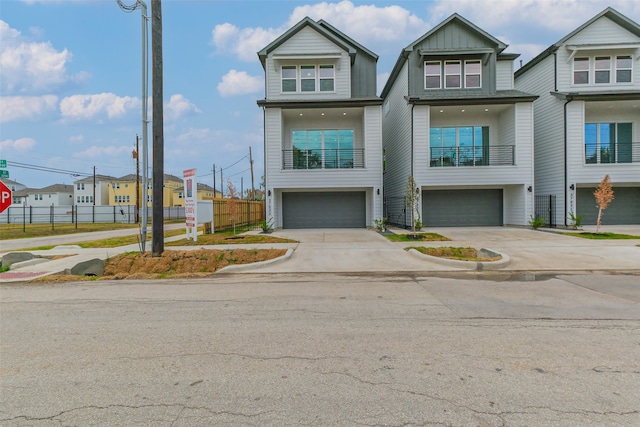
366, 251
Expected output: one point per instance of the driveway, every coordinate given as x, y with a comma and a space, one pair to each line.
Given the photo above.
360, 250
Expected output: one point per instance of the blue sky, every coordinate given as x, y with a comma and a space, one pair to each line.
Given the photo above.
70, 73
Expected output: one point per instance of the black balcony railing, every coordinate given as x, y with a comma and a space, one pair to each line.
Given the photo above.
486, 155
618, 152
352, 158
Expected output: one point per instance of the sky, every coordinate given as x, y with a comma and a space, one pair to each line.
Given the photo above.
70, 74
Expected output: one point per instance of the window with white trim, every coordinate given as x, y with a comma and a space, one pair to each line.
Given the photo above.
308, 78
624, 65
433, 75
581, 71
452, 74
472, 74
602, 70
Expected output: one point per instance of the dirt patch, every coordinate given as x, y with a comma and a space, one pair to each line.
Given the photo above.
173, 264
464, 254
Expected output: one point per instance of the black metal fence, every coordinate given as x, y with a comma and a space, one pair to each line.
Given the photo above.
395, 211
351, 158
545, 208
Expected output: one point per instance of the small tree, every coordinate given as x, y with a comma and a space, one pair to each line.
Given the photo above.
604, 196
411, 200
232, 204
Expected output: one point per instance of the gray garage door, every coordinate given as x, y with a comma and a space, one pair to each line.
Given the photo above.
624, 209
324, 210
462, 208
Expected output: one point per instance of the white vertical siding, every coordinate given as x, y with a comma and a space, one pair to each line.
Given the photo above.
504, 75
373, 153
396, 128
273, 160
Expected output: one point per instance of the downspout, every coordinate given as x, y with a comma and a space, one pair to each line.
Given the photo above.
566, 198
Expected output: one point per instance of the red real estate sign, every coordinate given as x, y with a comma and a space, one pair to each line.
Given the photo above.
5, 197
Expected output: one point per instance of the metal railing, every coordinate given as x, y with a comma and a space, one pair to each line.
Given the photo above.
487, 155
545, 208
344, 158
615, 152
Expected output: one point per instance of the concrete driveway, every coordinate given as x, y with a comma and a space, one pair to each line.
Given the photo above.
360, 250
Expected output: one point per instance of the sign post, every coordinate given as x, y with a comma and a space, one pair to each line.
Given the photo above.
5, 197
191, 203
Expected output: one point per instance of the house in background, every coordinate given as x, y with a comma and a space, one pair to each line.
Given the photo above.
16, 190
322, 126
122, 191
587, 120
204, 192
454, 122
84, 192
53, 195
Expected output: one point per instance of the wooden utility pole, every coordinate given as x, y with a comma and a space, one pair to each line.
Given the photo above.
221, 184
253, 188
214, 180
157, 241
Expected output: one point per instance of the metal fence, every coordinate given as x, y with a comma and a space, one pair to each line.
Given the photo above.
226, 211
395, 211
545, 208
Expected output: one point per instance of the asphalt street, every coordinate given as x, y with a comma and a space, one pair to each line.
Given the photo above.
456, 349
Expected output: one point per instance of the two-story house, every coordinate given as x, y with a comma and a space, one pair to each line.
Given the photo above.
453, 121
87, 195
52, 195
322, 130
16, 189
587, 119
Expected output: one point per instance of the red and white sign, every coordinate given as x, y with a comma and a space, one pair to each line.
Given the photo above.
5, 197
191, 202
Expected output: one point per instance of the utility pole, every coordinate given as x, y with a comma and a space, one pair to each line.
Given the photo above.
214, 180
137, 181
241, 187
221, 185
157, 242
94, 186
253, 189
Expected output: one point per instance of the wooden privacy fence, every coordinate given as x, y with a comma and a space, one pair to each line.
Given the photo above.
245, 212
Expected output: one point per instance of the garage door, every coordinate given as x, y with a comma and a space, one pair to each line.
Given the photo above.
324, 210
461, 208
623, 209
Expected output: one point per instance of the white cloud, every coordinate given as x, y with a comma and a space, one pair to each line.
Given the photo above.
368, 24
239, 83
97, 152
192, 136
83, 107
76, 138
25, 107
20, 145
178, 106
31, 67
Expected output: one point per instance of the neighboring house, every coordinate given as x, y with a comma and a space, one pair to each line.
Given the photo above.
205, 192
53, 195
122, 191
453, 121
587, 120
16, 190
85, 195
322, 127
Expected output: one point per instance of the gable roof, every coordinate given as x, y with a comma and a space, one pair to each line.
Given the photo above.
98, 178
341, 41
346, 38
609, 13
404, 54
56, 188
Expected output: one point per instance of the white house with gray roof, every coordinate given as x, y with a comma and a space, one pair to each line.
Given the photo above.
322, 130
454, 122
587, 119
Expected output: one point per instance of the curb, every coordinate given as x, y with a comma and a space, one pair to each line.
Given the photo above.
467, 265
244, 267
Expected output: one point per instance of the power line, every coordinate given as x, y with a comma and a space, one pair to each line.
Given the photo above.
47, 169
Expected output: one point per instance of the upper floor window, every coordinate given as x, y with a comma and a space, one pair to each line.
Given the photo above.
323, 149
623, 69
604, 69
308, 78
457, 74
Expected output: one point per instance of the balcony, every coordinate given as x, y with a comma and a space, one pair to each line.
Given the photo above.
486, 155
615, 152
351, 158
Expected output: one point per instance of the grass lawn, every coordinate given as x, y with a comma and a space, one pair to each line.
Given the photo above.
424, 237
15, 231
602, 236
228, 238
457, 253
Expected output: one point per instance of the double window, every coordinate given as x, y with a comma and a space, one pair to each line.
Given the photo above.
607, 143
323, 149
459, 146
308, 78
602, 70
455, 74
